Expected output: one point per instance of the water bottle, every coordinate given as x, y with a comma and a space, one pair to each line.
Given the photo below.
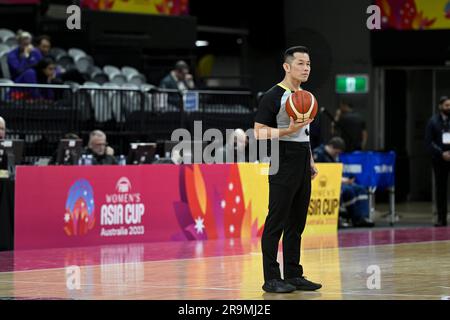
82, 160
88, 160
122, 160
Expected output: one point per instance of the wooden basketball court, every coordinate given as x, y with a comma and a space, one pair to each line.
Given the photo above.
414, 263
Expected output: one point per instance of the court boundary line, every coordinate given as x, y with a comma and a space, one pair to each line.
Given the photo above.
215, 257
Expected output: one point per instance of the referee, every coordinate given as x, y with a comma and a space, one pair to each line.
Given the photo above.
290, 187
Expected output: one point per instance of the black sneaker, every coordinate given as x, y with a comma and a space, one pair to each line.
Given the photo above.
343, 223
278, 286
302, 284
441, 224
364, 223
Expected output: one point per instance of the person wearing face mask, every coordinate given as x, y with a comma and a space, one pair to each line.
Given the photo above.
437, 140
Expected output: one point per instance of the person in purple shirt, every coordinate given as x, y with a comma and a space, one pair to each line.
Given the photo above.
22, 59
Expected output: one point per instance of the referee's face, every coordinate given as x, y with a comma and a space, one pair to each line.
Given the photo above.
300, 67
445, 107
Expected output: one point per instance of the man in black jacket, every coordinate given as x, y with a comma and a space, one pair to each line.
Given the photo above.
179, 78
437, 140
98, 148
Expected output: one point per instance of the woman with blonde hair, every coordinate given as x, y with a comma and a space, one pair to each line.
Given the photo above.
22, 59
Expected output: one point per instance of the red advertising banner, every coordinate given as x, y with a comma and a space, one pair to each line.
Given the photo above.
71, 206
20, 1
414, 14
77, 206
163, 7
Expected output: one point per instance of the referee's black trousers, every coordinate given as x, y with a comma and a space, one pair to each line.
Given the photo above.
441, 171
289, 195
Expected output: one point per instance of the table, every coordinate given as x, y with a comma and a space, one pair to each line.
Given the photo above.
6, 214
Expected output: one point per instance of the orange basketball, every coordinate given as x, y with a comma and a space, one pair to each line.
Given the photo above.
301, 105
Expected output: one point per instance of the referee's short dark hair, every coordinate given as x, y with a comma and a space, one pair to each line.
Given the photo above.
337, 143
443, 99
289, 53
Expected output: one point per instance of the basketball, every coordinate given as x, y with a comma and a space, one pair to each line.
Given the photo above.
301, 105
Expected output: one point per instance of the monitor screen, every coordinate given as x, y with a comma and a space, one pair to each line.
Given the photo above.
69, 151
141, 153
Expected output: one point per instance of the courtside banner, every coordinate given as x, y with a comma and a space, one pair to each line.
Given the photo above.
323, 212
164, 7
69, 206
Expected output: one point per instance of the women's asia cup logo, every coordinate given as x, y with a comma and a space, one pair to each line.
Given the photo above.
79, 216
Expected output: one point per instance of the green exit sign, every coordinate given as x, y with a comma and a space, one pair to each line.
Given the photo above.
352, 84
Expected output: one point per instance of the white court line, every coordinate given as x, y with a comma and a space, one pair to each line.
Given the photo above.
368, 246
239, 255
127, 263
131, 286
382, 245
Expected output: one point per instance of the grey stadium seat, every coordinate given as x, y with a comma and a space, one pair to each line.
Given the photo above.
4, 65
65, 61
99, 77
5, 34
108, 69
137, 79
84, 63
76, 53
127, 71
4, 47
11, 41
58, 52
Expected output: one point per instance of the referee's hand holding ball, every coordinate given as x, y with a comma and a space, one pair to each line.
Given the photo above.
294, 126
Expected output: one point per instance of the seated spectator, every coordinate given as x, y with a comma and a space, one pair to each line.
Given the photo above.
46, 72
179, 78
22, 59
98, 148
5, 169
354, 198
44, 44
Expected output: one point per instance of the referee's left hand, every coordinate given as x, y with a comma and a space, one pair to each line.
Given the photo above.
314, 171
